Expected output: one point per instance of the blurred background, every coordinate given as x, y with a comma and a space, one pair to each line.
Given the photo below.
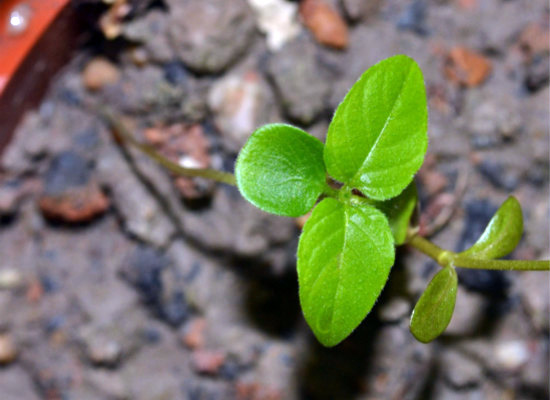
121, 281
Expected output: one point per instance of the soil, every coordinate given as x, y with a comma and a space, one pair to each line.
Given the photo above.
121, 281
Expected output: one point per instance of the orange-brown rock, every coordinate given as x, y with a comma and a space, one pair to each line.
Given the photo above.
77, 204
326, 24
98, 73
466, 67
193, 337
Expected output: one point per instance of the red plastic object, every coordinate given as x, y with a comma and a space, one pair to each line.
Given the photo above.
28, 58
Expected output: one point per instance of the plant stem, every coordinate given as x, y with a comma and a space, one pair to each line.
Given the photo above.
516, 265
430, 249
446, 257
125, 136
329, 191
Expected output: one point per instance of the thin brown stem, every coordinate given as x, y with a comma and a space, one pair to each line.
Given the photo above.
125, 136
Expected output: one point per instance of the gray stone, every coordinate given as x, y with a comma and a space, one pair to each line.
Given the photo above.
103, 352
394, 309
461, 371
148, 92
500, 175
275, 368
301, 83
157, 372
151, 30
105, 301
402, 365
491, 118
108, 383
319, 130
143, 90
141, 213
535, 294
17, 384
110, 343
443, 391
535, 373
535, 110
41, 134
160, 288
241, 103
504, 27
202, 48
381, 37
361, 9
537, 73
468, 313
233, 225
10, 195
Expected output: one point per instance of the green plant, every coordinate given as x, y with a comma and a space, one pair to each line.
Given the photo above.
361, 189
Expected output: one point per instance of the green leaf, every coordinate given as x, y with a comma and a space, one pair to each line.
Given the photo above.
502, 234
377, 138
399, 211
280, 170
344, 258
434, 309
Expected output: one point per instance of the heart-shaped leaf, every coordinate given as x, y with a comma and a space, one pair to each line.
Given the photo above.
399, 211
434, 309
344, 257
502, 234
377, 138
281, 170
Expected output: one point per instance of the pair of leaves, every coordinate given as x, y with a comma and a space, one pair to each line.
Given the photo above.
434, 309
375, 143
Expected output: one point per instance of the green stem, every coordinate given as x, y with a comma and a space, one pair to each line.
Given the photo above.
516, 265
431, 250
446, 257
125, 136
329, 191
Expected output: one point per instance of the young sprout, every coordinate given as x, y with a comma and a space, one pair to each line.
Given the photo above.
375, 144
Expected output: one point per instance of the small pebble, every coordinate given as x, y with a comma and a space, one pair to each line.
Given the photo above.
466, 67
98, 73
207, 362
35, 291
10, 278
175, 73
193, 337
394, 310
499, 176
278, 20
8, 351
104, 352
512, 354
75, 205
327, 26
9, 200
413, 18
537, 73
460, 371
174, 310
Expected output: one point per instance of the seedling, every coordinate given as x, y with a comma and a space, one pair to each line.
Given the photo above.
359, 188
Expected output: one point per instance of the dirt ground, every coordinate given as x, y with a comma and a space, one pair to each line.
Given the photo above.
121, 281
